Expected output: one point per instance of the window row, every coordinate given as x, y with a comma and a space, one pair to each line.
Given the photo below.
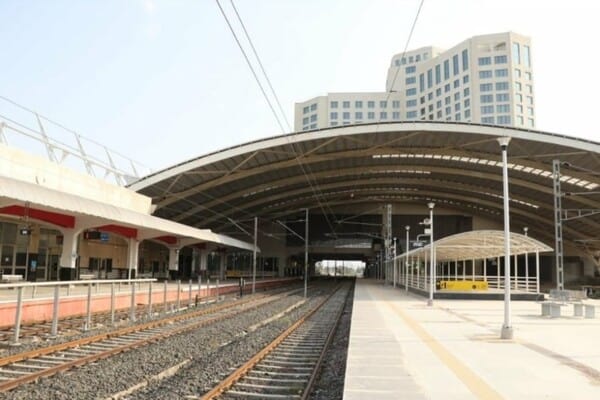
359, 115
360, 103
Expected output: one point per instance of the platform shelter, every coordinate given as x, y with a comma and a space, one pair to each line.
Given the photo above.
476, 257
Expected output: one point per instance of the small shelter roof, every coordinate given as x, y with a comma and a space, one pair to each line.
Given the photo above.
477, 245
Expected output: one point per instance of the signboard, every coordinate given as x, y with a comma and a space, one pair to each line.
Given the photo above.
104, 236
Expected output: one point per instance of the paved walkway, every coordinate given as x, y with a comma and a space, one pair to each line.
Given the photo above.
401, 349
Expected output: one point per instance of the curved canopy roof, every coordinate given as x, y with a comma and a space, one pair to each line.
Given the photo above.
455, 165
476, 245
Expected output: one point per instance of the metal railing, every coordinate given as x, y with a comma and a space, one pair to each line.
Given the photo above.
24, 128
84, 288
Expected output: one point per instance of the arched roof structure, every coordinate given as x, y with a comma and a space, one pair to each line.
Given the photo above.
456, 165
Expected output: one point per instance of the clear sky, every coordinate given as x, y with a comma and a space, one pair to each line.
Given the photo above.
163, 80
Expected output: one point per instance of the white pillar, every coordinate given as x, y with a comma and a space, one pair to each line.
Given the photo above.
498, 272
464, 269
222, 266
173, 259
68, 256
485, 269
516, 273
455, 270
472, 270
537, 272
132, 256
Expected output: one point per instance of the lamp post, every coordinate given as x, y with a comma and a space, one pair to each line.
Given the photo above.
431, 255
507, 330
407, 227
306, 253
394, 277
525, 229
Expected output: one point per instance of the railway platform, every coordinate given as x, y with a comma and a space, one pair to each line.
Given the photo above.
401, 348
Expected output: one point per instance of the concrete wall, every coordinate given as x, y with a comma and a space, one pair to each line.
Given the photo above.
39, 171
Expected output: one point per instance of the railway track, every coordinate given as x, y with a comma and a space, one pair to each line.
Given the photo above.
287, 367
29, 366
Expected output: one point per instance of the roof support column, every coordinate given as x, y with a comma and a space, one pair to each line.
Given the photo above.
485, 269
537, 272
133, 251
68, 257
173, 262
507, 329
516, 273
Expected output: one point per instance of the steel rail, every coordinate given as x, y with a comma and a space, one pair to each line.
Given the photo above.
227, 383
78, 345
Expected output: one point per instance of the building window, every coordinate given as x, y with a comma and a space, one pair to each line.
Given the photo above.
411, 59
333, 123
501, 73
371, 104
313, 126
411, 69
486, 87
487, 98
520, 120
466, 92
306, 110
417, 58
502, 108
455, 66
516, 53
446, 88
465, 59
530, 111
500, 60
457, 107
484, 60
411, 92
358, 104
313, 107
502, 97
421, 83
447, 100
346, 104
429, 79
530, 100
438, 92
430, 108
411, 80
333, 115
396, 115
358, 115
446, 69
438, 104
411, 103
487, 110
448, 110
501, 85
439, 114
528, 76
457, 96
503, 119
333, 104
519, 98
485, 74
346, 115
529, 89
457, 117
467, 103
530, 121
396, 104
456, 83
487, 120
517, 86
438, 74
313, 118
411, 115
383, 104
519, 109
305, 120
465, 79
430, 96
371, 115
467, 113
517, 73
383, 115
526, 57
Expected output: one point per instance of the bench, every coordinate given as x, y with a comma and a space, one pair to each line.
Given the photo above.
6, 278
561, 298
86, 277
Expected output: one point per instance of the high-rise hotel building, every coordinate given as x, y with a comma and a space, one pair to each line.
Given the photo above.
486, 79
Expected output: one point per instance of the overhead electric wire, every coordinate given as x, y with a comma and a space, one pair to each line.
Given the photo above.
270, 104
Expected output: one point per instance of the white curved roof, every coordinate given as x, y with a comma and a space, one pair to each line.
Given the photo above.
456, 165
